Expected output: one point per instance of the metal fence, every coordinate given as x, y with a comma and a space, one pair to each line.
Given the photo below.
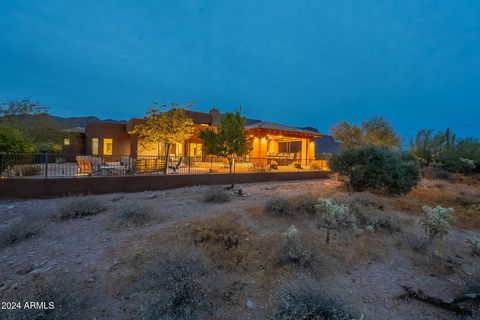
47, 165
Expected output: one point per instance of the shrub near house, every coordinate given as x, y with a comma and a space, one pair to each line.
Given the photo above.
375, 167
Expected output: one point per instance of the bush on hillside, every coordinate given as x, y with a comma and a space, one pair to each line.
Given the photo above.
133, 215
216, 195
304, 299
279, 206
76, 207
175, 285
374, 167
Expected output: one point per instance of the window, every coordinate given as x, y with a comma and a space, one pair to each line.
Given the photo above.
290, 147
66, 142
195, 149
94, 146
107, 147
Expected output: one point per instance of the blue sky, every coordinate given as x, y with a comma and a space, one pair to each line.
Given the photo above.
302, 63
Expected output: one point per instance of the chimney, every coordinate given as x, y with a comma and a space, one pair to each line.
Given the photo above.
216, 116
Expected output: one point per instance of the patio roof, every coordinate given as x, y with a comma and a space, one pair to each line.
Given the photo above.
281, 127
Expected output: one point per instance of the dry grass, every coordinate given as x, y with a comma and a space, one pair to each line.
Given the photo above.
17, 231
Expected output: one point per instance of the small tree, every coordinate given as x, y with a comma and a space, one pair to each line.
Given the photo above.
436, 221
229, 141
167, 128
333, 216
12, 140
376, 131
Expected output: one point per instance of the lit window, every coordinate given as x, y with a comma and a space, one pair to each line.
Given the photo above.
94, 146
107, 147
66, 141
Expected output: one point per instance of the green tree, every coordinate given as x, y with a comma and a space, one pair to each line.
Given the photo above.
379, 132
376, 131
349, 134
13, 141
167, 128
32, 119
229, 141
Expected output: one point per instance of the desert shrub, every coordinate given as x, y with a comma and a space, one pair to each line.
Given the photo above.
279, 206
474, 244
436, 221
463, 157
175, 285
333, 216
435, 172
76, 207
469, 198
418, 242
298, 166
384, 221
304, 204
17, 231
304, 299
374, 167
69, 299
257, 167
225, 232
132, 215
216, 195
295, 249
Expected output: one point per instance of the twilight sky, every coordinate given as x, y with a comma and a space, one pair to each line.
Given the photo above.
301, 63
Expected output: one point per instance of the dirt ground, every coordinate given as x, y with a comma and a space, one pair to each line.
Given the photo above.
366, 267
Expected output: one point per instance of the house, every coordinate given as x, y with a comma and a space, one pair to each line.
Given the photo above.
269, 140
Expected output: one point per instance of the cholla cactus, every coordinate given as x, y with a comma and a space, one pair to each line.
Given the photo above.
474, 244
296, 250
333, 216
467, 165
436, 221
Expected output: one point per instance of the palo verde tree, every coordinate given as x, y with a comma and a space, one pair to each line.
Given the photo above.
229, 141
168, 128
375, 131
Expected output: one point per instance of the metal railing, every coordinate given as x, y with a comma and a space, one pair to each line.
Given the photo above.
47, 165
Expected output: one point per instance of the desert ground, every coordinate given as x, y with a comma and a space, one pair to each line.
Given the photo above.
94, 267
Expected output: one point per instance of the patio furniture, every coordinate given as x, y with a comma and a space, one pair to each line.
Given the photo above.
175, 167
150, 165
84, 166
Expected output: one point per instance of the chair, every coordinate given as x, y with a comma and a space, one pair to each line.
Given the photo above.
175, 167
84, 166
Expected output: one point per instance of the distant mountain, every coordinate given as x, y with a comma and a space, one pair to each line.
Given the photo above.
75, 122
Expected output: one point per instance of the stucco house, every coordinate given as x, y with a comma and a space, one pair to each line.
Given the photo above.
269, 140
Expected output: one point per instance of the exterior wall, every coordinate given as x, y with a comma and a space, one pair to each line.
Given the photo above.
56, 187
102, 130
76, 143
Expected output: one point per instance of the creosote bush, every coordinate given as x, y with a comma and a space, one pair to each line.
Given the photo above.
304, 299
133, 215
295, 249
378, 168
175, 285
305, 204
333, 216
216, 195
17, 231
436, 221
77, 207
279, 206
384, 221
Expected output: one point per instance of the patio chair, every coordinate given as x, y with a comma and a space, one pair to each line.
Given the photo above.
84, 166
175, 167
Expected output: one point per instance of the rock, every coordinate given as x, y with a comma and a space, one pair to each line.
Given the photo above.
250, 304
90, 280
